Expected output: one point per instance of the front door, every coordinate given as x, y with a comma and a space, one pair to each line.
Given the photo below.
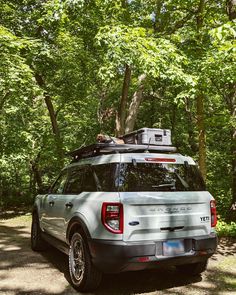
52, 204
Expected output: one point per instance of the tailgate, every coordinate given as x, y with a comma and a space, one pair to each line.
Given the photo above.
165, 215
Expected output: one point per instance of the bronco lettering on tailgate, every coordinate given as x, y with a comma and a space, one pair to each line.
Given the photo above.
171, 210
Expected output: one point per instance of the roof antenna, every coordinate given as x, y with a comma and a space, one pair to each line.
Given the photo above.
147, 150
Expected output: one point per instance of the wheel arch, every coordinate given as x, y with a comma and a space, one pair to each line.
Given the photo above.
76, 224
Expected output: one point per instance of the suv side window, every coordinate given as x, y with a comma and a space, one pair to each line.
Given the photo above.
80, 179
106, 176
89, 184
74, 183
59, 185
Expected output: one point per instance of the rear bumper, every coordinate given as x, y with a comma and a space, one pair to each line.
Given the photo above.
118, 256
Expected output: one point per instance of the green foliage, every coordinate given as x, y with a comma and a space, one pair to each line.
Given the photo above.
226, 229
16, 76
138, 48
80, 49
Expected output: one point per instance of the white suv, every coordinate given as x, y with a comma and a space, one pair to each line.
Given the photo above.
127, 207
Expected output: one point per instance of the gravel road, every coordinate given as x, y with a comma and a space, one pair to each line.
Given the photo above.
25, 272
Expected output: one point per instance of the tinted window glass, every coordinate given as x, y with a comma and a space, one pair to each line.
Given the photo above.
59, 185
106, 176
89, 184
74, 183
160, 177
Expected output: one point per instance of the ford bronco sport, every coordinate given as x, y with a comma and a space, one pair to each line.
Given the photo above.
122, 207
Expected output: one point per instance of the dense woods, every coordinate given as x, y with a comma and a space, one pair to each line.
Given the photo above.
71, 69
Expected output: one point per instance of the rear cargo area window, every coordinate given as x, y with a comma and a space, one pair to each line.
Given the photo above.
106, 176
160, 177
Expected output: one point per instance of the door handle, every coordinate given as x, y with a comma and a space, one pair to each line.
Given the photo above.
69, 205
51, 203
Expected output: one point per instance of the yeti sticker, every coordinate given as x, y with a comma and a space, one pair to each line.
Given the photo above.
205, 218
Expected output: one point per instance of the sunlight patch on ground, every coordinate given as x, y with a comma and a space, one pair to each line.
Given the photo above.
9, 248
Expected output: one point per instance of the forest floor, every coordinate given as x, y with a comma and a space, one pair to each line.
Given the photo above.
25, 272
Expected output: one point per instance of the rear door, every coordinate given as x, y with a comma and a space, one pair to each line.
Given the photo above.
163, 200
80, 183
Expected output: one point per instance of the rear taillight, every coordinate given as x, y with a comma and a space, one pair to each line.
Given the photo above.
213, 213
112, 217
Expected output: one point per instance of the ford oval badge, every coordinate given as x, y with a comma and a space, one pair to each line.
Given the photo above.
133, 223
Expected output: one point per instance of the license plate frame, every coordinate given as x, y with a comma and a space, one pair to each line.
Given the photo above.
173, 248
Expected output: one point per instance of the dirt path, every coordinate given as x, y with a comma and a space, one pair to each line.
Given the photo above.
25, 272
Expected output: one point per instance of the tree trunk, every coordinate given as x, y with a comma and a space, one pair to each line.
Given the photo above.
201, 134
55, 129
231, 101
191, 121
200, 12
121, 114
200, 99
134, 105
37, 178
173, 118
233, 149
54, 123
231, 9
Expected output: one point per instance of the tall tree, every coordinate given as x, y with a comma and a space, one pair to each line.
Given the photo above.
200, 95
231, 101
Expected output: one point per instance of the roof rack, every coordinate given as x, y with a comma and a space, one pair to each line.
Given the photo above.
111, 148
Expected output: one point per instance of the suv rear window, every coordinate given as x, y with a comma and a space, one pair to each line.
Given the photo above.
160, 177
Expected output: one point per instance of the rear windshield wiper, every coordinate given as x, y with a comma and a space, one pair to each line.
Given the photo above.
164, 185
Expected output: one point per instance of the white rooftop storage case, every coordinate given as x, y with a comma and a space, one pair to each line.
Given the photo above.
149, 136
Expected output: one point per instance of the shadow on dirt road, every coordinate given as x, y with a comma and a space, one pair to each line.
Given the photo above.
23, 271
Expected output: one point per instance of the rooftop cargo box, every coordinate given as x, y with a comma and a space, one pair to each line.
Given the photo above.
150, 136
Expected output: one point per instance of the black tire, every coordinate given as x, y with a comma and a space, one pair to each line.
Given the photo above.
84, 276
37, 242
193, 268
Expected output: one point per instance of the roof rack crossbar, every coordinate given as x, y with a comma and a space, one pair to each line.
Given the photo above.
110, 148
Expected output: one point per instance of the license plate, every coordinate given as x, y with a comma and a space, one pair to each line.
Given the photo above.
173, 248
